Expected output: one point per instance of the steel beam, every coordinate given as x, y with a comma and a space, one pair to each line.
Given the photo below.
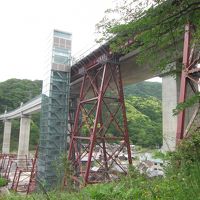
102, 129
189, 77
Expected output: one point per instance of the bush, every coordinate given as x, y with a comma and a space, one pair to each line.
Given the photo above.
187, 152
3, 182
182, 181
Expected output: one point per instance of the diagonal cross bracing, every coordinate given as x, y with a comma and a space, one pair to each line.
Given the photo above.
189, 77
102, 134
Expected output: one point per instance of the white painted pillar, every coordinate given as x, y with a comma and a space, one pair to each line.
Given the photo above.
6, 137
24, 134
169, 102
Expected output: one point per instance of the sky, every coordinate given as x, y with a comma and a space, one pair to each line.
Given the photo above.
25, 26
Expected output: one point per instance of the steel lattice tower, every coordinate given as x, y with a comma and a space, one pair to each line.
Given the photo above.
189, 80
100, 131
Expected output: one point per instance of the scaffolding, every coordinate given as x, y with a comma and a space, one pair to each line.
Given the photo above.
54, 111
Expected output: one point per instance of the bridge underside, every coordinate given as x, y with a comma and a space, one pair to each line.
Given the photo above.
100, 122
132, 72
100, 89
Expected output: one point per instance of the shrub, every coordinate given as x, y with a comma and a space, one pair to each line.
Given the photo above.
3, 182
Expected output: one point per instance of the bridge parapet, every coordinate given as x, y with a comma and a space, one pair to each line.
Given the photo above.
32, 106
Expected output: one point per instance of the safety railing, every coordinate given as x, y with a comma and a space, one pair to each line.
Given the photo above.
20, 172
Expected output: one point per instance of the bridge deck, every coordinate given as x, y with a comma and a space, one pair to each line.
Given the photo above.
131, 73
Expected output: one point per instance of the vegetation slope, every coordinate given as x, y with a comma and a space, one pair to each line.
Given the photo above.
182, 181
12, 93
143, 103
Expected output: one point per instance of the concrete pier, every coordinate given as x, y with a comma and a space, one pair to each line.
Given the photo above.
6, 137
170, 95
24, 134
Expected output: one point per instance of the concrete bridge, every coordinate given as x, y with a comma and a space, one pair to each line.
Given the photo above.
131, 73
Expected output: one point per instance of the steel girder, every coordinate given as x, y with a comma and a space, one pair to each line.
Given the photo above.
189, 77
100, 131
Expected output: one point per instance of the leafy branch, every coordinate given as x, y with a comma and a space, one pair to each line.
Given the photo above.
159, 27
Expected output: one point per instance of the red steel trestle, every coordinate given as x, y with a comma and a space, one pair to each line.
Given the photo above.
189, 77
100, 133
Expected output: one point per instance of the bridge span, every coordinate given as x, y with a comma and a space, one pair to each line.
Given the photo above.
132, 72
28, 108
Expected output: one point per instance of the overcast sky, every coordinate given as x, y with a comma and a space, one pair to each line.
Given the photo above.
25, 27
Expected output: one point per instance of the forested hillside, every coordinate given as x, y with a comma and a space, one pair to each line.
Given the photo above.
143, 103
144, 89
12, 93
144, 121
15, 91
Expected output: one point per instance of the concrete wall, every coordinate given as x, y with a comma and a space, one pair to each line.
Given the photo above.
24, 134
169, 102
6, 137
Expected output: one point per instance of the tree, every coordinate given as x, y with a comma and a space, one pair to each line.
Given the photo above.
152, 26
144, 121
143, 111
12, 93
15, 91
144, 89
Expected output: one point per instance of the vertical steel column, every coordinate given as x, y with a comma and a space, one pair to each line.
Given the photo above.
32, 181
186, 52
94, 131
126, 136
189, 77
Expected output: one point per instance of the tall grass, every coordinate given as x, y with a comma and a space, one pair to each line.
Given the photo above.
182, 181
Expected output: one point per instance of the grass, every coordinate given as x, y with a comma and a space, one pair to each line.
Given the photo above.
182, 181
134, 186
3, 182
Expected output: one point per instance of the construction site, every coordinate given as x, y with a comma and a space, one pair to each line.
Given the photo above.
80, 104
84, 137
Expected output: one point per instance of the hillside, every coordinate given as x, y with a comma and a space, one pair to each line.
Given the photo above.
144, 89
143, 102
15, 91
12, 93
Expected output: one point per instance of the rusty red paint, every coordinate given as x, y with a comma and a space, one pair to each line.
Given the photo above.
101, 106
188, 77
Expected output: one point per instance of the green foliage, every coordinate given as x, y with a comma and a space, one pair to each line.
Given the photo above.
156, 29
182, 182
64, 172
35, 130
188, 103
15, 91
144, 121
187, 153
12, 93
153, 27
144, 89
161, 155
143, 112
3, 182
143, 117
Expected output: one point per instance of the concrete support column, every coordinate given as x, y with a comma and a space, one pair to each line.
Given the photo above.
24, 134
6, 137
169, 102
